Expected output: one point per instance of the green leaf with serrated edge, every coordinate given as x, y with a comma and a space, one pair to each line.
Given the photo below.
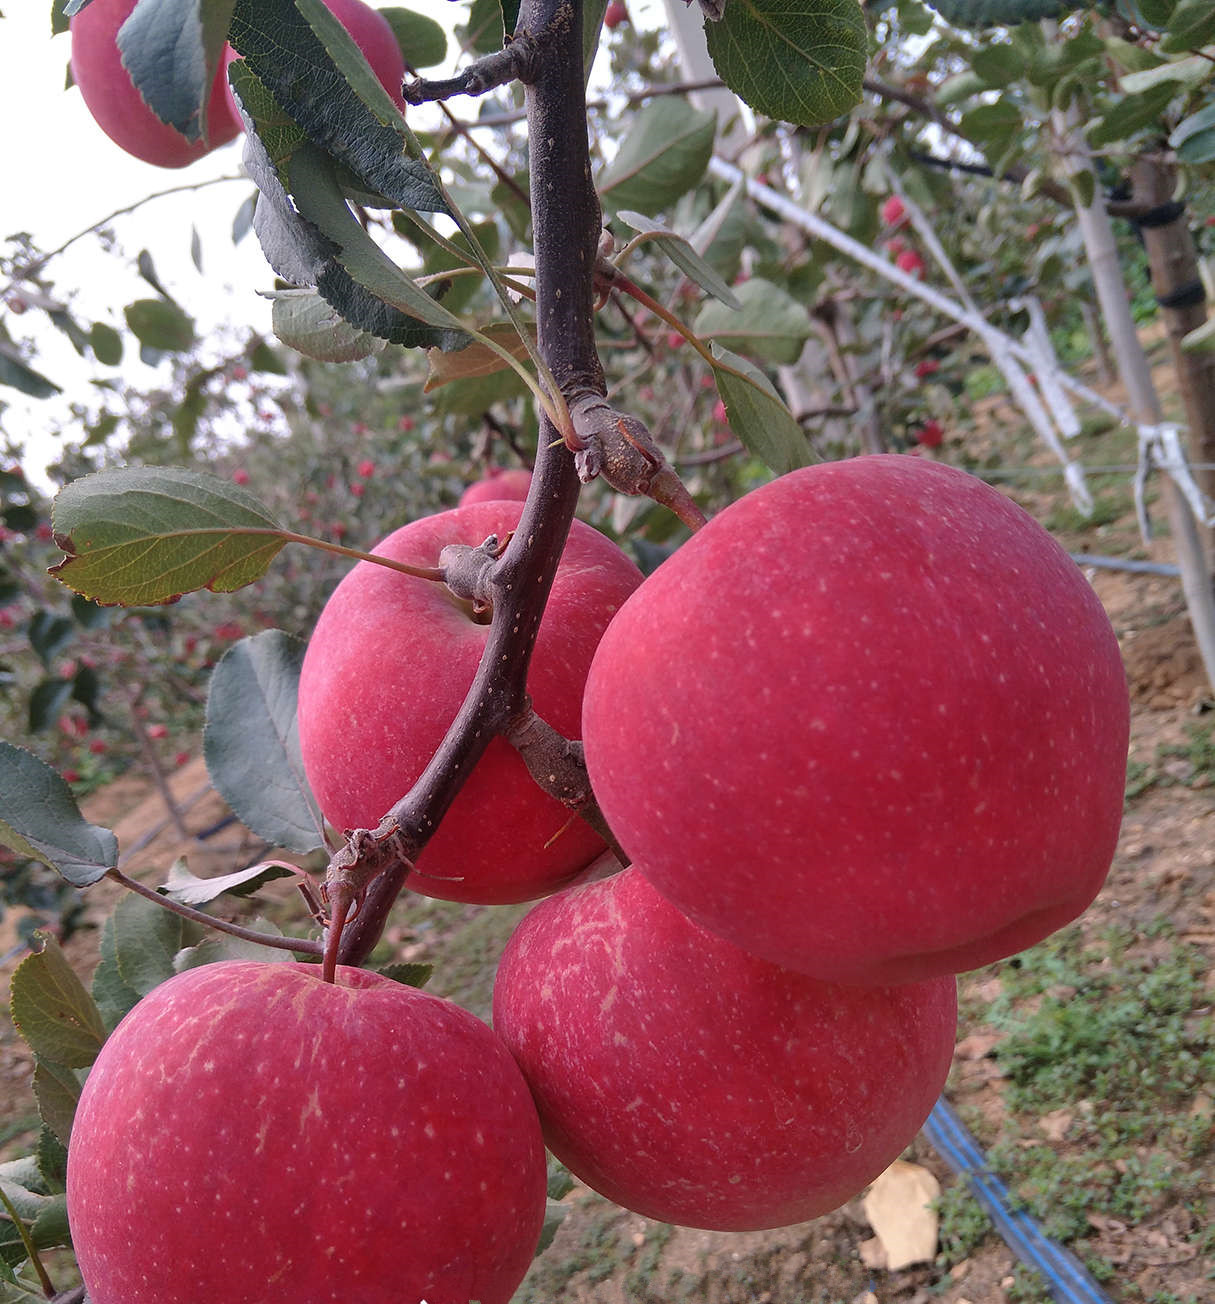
190, 890
114, 996
408, 975
146, 938
171, 50
757, 414
307, 323
141, 536
50, 1228
18, 375
106, 344
663, 156
223, 946
160, 325
797, 63
681, 253
251, 740
52, 1010
51, 1154
769, 323
423, 42
320, 79
1131, 114
57, 1091
476, 360
39, 819
320, 201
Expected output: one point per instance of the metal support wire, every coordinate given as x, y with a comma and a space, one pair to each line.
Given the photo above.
1067, 1279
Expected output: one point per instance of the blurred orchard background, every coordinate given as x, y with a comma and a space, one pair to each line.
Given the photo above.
1000, 258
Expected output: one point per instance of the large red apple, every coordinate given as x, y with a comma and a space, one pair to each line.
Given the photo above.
869, 723
389, 664
497, 485
117, 106
694, 1083
250, 1132
374, 36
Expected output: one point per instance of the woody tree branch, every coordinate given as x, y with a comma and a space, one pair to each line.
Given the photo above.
373, 865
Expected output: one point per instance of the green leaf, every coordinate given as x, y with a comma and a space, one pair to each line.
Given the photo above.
114, 996
1190, 73
49, 634
51, 1009
410, 975
218, 946
17, 374
320, 79
307, 323
1191, 26
47, 701
423, 42
190, 890
769, 324
997, 65
39, 819
794, 62
50, 1228
106, 344
251, 740
160, 325
262, 357
146, 938
994, 126
757, 414
664, 155
683, 255
140, 536
1131, 114
57, 1091
172, 49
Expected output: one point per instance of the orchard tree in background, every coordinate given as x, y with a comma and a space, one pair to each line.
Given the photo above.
573, 312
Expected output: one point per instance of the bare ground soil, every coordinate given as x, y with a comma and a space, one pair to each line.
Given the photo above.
1160, 895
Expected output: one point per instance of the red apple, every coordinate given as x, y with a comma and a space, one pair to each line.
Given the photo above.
498, 485
386, 670
870, 723
893, 212
118, 107
373, 34
251, 1132
931, 434
693, 1083
909, 261
615, 14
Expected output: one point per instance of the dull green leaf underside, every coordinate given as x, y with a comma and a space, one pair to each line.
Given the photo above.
799, 61
141, 536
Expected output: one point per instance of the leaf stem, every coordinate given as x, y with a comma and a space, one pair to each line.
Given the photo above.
31, 1250
301, 945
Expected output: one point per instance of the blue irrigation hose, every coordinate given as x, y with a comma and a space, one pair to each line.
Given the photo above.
1066, 1277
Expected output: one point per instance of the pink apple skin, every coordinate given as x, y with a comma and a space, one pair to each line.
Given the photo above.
498, 485
870, 723
386, 670
693, 1083
372, 33
250, 1133
118, 108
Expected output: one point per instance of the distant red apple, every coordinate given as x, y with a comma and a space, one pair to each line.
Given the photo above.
119, 109
869, 723
931, 434
693, 1083
366, 468
497, 486
387, 668
926, 367
374, 36
251, 1132
893, 211
615, 14
910, 261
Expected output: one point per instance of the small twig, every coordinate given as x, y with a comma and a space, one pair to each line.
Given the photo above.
517, 61
302, 945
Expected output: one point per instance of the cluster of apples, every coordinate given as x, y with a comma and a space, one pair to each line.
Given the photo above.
865, 730
121, 112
